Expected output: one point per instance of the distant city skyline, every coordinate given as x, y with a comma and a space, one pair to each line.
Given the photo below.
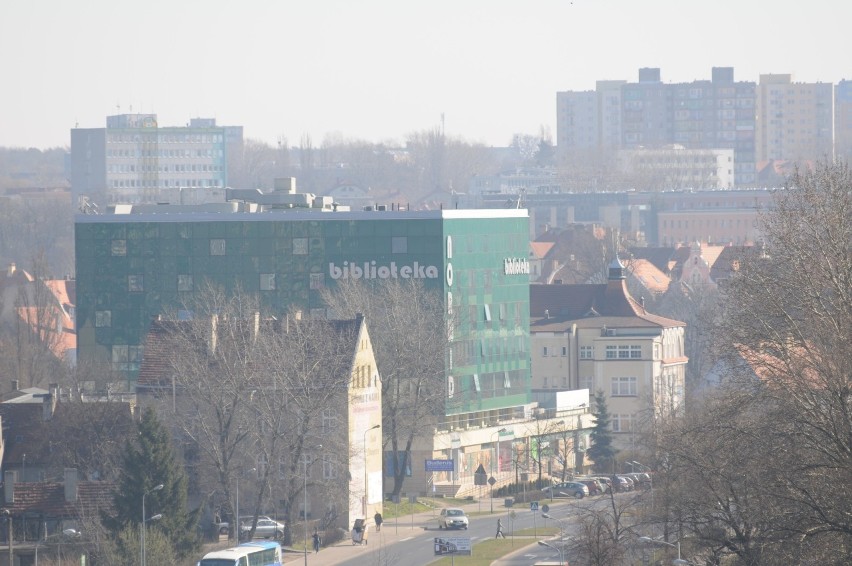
377, 70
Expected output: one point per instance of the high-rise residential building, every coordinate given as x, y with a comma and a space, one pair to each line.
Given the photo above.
718, 114
795, 120
843, 120
134, 159
589, 120
647, 119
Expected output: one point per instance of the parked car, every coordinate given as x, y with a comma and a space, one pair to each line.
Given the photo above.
605, 482
224, 526
619, 484
566, 489
595, 486
266, 528
641, 479
630, 484
452, 518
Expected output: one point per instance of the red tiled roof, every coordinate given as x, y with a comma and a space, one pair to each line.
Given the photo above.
595, 303
649, 276
539, 250
48, 499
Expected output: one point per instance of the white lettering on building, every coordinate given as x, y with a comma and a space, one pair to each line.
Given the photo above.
369, 270
516, 266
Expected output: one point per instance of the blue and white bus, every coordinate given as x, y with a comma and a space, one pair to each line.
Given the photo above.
257, 553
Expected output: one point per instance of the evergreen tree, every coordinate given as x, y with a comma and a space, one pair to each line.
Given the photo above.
601, 451
148, 462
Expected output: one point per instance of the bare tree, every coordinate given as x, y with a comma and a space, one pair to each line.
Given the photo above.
410, 332
761, 472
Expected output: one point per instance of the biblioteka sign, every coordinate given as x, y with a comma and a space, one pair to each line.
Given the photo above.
516, 266
371, 270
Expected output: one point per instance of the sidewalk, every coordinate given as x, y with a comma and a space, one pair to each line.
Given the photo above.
393, 530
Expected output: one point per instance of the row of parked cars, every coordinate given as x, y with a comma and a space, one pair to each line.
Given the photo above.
585, 486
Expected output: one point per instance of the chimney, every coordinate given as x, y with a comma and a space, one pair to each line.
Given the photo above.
48, 403
15, 384
11, 271
70, 485
9, 477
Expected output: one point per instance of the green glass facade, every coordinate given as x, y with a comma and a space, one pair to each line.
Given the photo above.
132, 267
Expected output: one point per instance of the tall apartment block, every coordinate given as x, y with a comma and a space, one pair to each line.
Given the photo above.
775, 119
795, 120
843, 120
134, 159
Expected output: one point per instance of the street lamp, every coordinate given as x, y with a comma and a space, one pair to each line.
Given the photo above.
497, 457
366, 481
67, 533
305, 508
679, 561
237, 526
557, 549
142, 526
561, 524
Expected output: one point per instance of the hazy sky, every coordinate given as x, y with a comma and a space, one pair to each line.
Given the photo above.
380, 69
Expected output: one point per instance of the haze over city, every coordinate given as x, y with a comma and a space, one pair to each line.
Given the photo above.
376, 69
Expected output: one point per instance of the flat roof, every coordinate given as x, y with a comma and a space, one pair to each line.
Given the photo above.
303, 215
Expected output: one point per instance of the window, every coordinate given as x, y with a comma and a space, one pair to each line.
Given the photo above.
329, 420
399, 245
564, 351
329, 470
622, 423
119, 247
126, 358
544, 351
587, 382
135, 283
217, 246
488, 313
587, 352
623, 386
103, 319
476, 382
184, 283
300, 246
317, 281
267, 281
624, 352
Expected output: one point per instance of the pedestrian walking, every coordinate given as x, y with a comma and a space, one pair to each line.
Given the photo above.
317, 541
378, 519
499, 529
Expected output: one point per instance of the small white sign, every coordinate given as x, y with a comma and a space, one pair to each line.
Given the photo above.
452, 545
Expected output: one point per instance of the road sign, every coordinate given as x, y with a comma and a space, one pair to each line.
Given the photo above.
452, 545
533, 505
545, 508
440, 465
492, 481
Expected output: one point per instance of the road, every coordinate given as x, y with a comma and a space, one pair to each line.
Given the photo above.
410, 541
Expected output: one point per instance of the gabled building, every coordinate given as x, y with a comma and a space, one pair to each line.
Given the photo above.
350, 416
598, 337
40, 511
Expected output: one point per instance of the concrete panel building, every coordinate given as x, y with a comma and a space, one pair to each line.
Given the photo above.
134, 158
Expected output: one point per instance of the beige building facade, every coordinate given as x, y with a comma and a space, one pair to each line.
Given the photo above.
598, 338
